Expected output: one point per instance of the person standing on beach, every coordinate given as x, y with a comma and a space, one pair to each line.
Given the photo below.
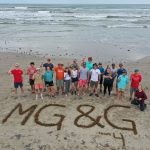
89, 65
119, 72
67, 80
75, 64
114, 73
18, 79
59, 78
74, 77
108, 81
31, 71
140, 97
95, 77
39, 83
48, 64
48, 78
83, 79
123, 80
102, 70
135, 79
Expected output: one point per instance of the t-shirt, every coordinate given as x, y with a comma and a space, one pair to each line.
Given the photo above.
31, 71
95, 74
67, 76
123, 81
119, 71
48, 65
17, 73
135, 80
84, 73
59, 73
108, 80
48, 76
102, 70
114, 71
89, 65
74, 73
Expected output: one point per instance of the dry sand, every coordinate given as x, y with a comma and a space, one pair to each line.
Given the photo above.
32, 136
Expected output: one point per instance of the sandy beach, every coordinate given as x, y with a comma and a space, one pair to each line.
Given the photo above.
62, 123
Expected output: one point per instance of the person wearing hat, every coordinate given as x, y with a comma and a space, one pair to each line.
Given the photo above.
123, 81
39, 83
135, 79
18, 79
59, 78
83, 79
94, 80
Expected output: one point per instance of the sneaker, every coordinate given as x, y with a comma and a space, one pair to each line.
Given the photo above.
75, 92
91, 94
41, 96
96, 95
130, 99
36, 97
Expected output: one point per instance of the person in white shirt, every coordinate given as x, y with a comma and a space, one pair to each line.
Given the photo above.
67, 80
95, 77
74, 77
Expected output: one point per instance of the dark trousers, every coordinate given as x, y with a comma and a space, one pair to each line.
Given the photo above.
107, 85
139, 102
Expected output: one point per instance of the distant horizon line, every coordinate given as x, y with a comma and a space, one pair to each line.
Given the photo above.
79, 3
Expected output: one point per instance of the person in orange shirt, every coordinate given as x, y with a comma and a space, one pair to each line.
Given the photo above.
59, 78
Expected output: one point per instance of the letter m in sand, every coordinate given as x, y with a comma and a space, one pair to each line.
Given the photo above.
28, 113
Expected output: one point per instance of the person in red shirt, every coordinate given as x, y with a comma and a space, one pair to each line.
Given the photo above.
135, 78
18, 79
140, 97
31, 71
59, 77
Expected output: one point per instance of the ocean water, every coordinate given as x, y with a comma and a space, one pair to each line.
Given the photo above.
106, 32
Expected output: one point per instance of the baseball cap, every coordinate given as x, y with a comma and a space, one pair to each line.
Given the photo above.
136, 70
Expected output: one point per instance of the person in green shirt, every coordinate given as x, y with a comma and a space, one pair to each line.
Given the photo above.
89, 63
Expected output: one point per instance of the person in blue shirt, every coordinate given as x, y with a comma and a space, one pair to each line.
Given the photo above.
48, 78
123, 81
102, 70
118, 73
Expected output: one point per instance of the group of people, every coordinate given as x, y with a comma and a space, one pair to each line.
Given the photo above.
81, 79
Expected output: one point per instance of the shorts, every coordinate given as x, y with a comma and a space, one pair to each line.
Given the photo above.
93, 83
49, 83
82, 82
133, 90
39, 86
121, 90
31, 81
101, 79
74, 79
18, 84
60, 83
